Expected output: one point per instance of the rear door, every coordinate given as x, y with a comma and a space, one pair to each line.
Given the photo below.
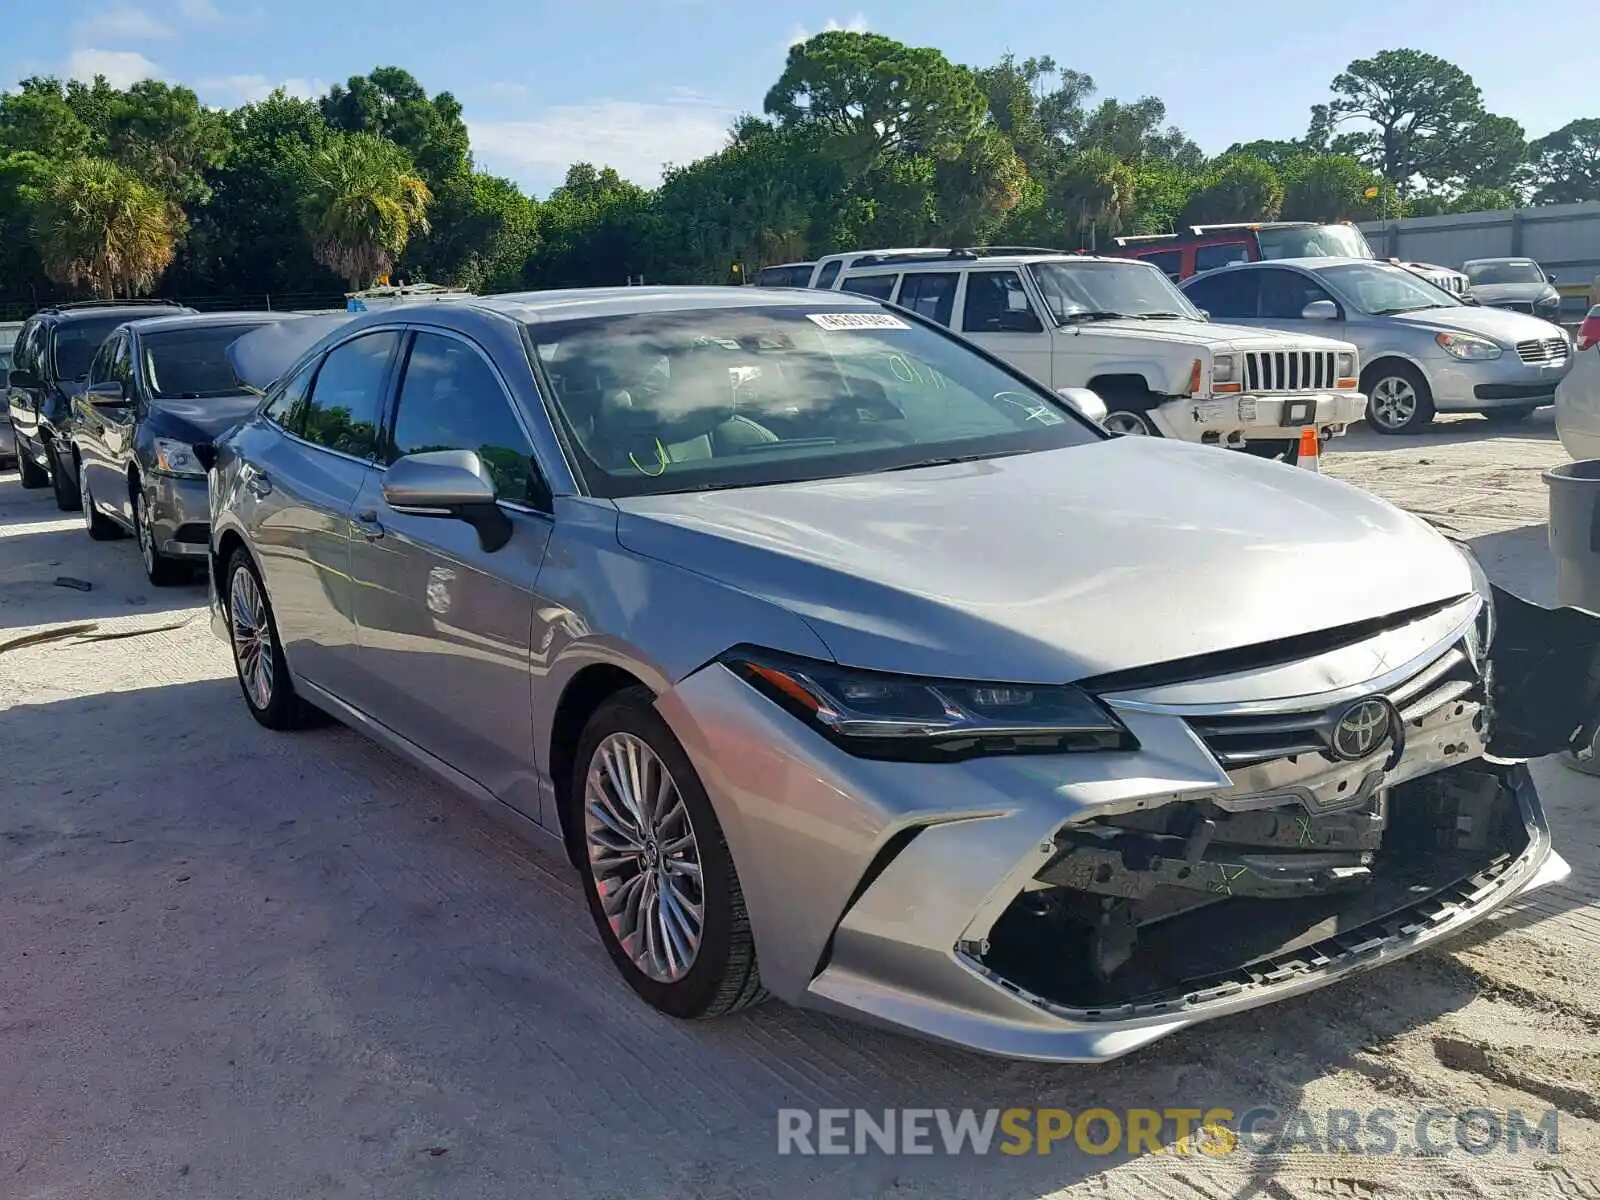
297, 490
998, 314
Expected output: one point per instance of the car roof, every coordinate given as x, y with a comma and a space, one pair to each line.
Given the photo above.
209, 320
1305, 264
128, 312
986, 262
566, 303
1500, 258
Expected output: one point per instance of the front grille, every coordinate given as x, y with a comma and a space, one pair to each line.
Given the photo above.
1289, 370
1538, 351
1239, 741
1522, 306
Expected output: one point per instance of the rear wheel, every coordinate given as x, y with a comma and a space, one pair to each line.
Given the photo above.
95, 523
1509, 416
659, 878
33, 475
1399, 399
66, 488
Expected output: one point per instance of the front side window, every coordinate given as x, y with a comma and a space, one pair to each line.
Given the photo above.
192, 364
1209, 258
1285, 294
450, 399
287, 406
931, 294
676, 401
879, 287
77, 341
100, 365
997, 303
1074, 290
26, 355
1380, 290
346, 401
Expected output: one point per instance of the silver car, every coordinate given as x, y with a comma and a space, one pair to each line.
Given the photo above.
1517, 284
850, 666
1423, 351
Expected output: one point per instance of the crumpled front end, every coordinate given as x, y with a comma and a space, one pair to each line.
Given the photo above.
1292, 813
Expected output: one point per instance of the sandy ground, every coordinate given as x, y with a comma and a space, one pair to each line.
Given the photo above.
239, 964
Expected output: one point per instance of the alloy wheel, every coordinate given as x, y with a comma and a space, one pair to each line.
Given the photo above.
1126, 424
141, 529
252, 637
1393, 402
86, 505
644, 857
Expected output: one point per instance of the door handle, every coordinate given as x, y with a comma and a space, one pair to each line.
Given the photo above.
369, 525
257, 484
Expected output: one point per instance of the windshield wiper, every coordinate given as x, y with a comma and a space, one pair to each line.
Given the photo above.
1166, 316
947, 460
1098, 314
1391, 312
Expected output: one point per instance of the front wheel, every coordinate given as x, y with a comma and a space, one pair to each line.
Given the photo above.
658, 875
1399, 399
257, 652
158, 568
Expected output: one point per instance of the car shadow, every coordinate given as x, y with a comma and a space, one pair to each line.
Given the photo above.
1450, 429
350, 959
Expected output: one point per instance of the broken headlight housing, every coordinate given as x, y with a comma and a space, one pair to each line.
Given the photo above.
914, 718
1482, 632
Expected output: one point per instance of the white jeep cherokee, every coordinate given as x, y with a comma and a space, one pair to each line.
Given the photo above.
1120, 328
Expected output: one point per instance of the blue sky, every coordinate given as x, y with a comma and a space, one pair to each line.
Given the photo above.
636, 83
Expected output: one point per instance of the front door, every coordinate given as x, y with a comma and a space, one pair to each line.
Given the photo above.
998, 314
445, 627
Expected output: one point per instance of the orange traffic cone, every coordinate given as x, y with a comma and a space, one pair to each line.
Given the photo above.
1309, 458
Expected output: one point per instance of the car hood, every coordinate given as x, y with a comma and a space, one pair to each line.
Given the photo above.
1501, 293
1507, 328
200, 420
1058, 565
1205, 334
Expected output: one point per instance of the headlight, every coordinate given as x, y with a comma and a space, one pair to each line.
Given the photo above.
1467, 346
905, 717
1345, 365
1222, 369
177, 458
1481, 636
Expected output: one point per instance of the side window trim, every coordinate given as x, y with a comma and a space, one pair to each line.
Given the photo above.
397, 383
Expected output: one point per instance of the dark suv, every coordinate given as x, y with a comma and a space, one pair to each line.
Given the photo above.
49, 364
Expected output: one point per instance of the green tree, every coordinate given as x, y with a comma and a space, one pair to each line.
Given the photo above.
98, 225
390, 103
481, 231
1095, 191
1565, 165
37, 119
876, 96
1239, 189
1419, 117
1334, 187
1482, 199
596, 228
362, 202
1133, 132
164, 136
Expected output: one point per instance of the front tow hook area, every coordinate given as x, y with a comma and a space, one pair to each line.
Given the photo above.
1544, 682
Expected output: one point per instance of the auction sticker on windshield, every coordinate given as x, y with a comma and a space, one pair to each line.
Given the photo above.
837, 321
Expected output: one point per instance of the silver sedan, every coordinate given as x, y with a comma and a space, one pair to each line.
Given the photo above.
850, 666
1423, 351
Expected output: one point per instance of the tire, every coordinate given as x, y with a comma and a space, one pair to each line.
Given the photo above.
272, 702
1128, 412
1509, 416
95, 523
33, 475
1285, 450
1399, 399
721, 974
66, 490
158, 568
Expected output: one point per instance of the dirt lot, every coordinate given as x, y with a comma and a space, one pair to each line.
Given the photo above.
254, 965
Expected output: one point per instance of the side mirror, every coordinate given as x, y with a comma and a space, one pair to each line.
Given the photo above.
1205, 313
1019, 321
1320, 310
22, 378
1087, 403
1549, 278
108, 393
452, 484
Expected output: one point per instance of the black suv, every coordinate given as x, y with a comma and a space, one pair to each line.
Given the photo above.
48, 366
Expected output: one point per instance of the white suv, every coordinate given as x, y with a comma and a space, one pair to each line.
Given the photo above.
1120, 328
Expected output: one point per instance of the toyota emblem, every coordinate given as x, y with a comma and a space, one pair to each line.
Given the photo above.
1362, 728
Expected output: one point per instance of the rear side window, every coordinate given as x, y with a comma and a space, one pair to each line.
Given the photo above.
1207, 258
1229, 294
879, 287
829, 274
931, 295
346, 401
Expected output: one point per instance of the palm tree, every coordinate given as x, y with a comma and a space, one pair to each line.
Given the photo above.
97, 224
1095, 188
362, 201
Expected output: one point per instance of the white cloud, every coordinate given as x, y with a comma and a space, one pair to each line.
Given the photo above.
233, 90
122, 22
856, 24
635, 138
120, 67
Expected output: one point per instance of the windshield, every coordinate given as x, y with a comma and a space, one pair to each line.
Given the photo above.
1504, 272
1128, 289
1378, 289
1314, 241
728, 397
76, 342
192, 364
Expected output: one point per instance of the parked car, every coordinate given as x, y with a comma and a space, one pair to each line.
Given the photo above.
1119, 329
8, 440
1578, 397
49, 363
1203, 248
1519, 284
1423, 350
154, 389
850, 665
797, 274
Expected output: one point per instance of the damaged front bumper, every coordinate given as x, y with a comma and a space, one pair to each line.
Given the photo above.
1077, 907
